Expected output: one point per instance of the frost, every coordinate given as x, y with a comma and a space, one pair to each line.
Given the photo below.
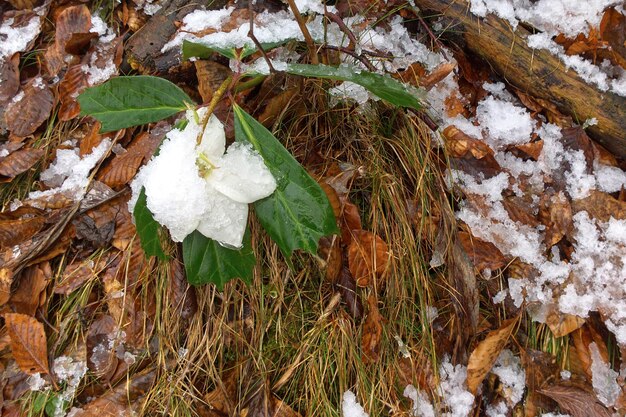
603, 378
36, 382
421, 404
191, 187
16, 37
350, 407
69, 173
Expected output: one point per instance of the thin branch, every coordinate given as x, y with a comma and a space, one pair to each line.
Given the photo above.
256, 41
305, 32
354, 55
430, 33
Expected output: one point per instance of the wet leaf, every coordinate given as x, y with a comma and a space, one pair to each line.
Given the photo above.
382, 86
28, 343
556, 214
182, 296
74, 81
19, 161
9, 78
484, 255
576, 400
436, 75
298, 213
601, 206
541, 368
147, 228
13, 232
130, 101
484, 356
368, 257
206, 261
372, 332
347, 288
30, 293
331, 253
210, 75
26, 115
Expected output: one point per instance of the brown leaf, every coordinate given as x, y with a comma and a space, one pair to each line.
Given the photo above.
6, 279
436, 75
601, 206
347, 288
612, 30
19, 161
563, 324
9, 78
28, 343
330, 252
75, 275
576, 139
484, 356
576, 400
30, 293
101, 358
182, 296
26, 115
276, 105
73, 19
461, 276
541, 368
484, 255
519, 211
372, 332
556, 214
124, 400
13, 232
210, 75
72, 84
470, 155
368, 257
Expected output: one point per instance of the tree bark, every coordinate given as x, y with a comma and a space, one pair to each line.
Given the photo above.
537, 72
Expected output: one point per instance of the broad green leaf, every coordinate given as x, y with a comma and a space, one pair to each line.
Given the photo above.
203, 51
147, 228
298, 213
130, 101
383, 86
206, 261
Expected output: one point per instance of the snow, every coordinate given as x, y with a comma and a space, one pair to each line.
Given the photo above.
512, 377
69, 173
603, 378
70, 371
36, 382
16, 39
421, 404
191, 187
506, 123
453, 391
350, 91
350, 407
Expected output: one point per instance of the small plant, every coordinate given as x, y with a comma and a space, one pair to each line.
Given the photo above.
200, 192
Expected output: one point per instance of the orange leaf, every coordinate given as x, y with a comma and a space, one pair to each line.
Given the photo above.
372, 332
19, 161
28, 343
368, 257
26, 115
483, 254
486, 353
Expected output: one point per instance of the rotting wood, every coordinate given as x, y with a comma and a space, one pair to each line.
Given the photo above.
537, 72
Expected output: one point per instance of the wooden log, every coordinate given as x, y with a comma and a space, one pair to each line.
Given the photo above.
537, 72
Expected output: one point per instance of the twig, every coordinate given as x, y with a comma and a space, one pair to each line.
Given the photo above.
256, 41
305, 32
345, 29
353, 54
424, 117
212, 104
430, 33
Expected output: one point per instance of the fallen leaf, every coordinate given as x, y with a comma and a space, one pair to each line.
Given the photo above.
563, 324
6, 280
368, 257
28, 343
19, 161
9, 78
555, 213
13, 232
72, 20
347, 288
484, 255
72, 84
276, 105
600, 206
211, 75
486, 353
576, 400
461, 276
23, 117
519, 211
182, 296
372, 332
540, 368
101, 341
436, 75
30, 293
124, 400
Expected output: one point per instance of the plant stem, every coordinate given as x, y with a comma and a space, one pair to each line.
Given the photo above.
305, 32
212, 104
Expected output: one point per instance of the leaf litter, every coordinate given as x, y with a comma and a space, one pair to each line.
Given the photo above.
534, 192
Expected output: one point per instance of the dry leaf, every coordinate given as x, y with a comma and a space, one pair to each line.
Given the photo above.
461, 275
600, 206
30, 293
556, 214
9, 78
541, 368
372, 332
330, 251
210, 76
19, 161
368, 257
6, 279
23, 117
576, 400
182, 296
347, 288
28, 343
484, 255
436, 75
484, 356
101, 342
276, 105
13, 232
563, 324
72, 84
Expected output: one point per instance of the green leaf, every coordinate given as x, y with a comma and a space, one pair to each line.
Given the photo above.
203, 51
206, 261
383, 86
130, 101
147, 228
298, 213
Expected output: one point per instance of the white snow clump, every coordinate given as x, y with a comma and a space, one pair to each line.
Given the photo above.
350, 407
214, 201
